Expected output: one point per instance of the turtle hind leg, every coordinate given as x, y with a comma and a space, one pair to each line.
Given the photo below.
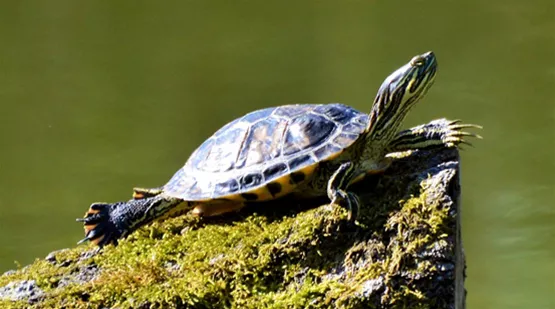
337, 190
141, 193
105, 223
99, 229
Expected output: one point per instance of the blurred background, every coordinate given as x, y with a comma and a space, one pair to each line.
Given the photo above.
99, 96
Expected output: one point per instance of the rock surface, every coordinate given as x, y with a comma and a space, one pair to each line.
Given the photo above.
405, 252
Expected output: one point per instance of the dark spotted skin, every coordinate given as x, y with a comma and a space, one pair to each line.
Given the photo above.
267, 153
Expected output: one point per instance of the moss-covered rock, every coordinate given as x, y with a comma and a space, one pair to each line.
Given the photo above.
401, 254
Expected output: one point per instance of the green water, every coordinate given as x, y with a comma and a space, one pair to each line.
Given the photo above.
97, 97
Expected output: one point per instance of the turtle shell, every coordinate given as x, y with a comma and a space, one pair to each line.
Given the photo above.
267, 153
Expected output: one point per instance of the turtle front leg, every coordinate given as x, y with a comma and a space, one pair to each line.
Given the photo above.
434, 134
337, 190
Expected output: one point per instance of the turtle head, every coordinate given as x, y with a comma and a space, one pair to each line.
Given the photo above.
398, 93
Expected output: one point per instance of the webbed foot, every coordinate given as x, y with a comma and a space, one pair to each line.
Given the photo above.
99, 228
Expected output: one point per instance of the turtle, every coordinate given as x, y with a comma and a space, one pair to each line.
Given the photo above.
299, 150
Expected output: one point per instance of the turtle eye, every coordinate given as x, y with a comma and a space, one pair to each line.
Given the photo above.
417, 61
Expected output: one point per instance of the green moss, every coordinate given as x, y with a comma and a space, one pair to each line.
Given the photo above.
308, 260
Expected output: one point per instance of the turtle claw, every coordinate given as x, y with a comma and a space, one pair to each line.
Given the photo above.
83, 240
455, 135
457, 125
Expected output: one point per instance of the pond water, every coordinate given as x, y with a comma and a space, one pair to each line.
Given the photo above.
98, 97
